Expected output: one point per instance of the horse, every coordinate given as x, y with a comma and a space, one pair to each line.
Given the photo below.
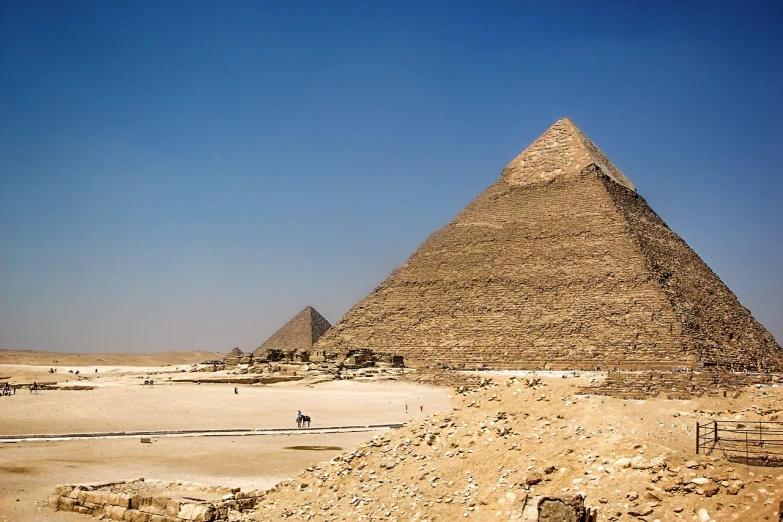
302, 420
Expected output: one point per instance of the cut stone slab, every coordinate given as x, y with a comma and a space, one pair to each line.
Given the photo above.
566, 508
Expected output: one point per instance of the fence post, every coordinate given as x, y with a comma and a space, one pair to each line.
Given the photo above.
715, 424
747, 453
697, 437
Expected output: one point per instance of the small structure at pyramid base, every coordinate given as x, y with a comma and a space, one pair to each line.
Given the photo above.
269, 355
559, 264
237, 357
365, 358
293, 346
350, 359
273, 360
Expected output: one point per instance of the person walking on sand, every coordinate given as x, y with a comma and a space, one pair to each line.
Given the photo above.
236, 390
406, 408
421, 408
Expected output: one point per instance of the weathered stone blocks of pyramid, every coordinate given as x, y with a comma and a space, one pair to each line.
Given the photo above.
297, 336
561, 264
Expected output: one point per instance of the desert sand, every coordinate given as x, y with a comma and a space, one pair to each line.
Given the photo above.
69, 360
115, 399
472, 453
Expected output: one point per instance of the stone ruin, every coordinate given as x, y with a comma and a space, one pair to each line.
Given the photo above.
559, 264
677, 385
236, 357
140, 500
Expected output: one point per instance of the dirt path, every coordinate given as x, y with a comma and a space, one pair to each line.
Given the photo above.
198, 433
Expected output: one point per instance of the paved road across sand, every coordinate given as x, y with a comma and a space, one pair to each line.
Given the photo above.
197, 433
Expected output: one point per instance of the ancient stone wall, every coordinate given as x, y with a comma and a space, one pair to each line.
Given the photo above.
674, 385
100, 501
717, 328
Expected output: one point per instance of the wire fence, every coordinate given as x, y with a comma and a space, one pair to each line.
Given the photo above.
753, 443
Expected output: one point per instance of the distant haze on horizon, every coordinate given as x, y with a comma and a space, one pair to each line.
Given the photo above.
187, 176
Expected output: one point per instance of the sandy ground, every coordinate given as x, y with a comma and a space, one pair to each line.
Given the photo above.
518, 434
120, 402
32, 470
64, 361
212, 406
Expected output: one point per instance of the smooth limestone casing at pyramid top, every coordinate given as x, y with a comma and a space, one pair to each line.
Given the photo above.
559, 263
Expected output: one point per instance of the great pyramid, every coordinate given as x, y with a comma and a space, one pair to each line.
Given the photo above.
298, 335
559, 264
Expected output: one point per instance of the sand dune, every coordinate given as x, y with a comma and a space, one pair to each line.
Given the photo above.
40, 358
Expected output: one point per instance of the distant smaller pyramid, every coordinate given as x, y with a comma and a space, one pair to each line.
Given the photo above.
297, 336
234, 357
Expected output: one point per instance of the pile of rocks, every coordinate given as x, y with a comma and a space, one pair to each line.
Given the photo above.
526, 439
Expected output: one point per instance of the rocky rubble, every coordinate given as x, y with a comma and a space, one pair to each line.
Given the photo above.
632, 460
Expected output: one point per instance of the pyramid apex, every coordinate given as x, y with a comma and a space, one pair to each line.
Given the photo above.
562, 151
299, 333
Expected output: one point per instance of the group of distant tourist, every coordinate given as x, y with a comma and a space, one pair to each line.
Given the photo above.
76, 372
11, 390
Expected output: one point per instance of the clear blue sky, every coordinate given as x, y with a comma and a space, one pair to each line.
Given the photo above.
190, 175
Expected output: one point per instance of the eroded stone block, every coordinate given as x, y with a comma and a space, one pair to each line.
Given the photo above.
66, 504
185, 511
158, 506
64, 490
565, 508
172, 508
118, 513
54, 501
